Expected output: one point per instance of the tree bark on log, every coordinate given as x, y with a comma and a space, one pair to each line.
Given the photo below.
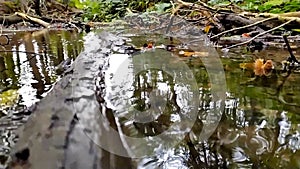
64, 129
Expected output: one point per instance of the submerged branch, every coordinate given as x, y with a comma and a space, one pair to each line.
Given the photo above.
201, 6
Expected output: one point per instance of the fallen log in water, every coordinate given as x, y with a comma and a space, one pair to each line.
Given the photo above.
64, 129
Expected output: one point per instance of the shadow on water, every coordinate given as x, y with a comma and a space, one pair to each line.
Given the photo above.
29, 66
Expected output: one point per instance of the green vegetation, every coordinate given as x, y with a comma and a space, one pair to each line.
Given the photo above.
107, 10
272, 6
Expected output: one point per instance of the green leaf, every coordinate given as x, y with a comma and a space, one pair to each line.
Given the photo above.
77, 4
296, 30
274, 2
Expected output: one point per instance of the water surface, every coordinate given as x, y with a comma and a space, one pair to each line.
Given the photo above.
259, 126
29, 68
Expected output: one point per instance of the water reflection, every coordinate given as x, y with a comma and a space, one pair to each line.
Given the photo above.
151, 102
259, 126
31, 67
255, 129
28, 65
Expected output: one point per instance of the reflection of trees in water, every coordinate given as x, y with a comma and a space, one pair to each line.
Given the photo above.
254, 131
39, 85
3, 74
42, 45
73, 47
244, 139
50, 51
10, 68
18, 69
159, 102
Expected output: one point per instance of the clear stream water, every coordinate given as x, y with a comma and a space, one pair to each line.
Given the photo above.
259, 127
25, 78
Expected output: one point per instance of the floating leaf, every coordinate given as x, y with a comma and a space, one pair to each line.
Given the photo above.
195, 54
9, 98
207, 28
247, 66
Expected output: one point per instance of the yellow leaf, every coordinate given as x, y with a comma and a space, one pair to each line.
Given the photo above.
189, 54
207, 28
247, 66
9, 97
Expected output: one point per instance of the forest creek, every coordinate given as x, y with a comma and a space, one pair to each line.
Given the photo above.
149, 84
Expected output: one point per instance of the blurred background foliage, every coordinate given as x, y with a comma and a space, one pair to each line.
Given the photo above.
272, 6
107, 10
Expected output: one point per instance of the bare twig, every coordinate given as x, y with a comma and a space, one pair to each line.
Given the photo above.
129, 11
36, 20
281, 17
243, 27
201, 6
292, 57
263, 33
